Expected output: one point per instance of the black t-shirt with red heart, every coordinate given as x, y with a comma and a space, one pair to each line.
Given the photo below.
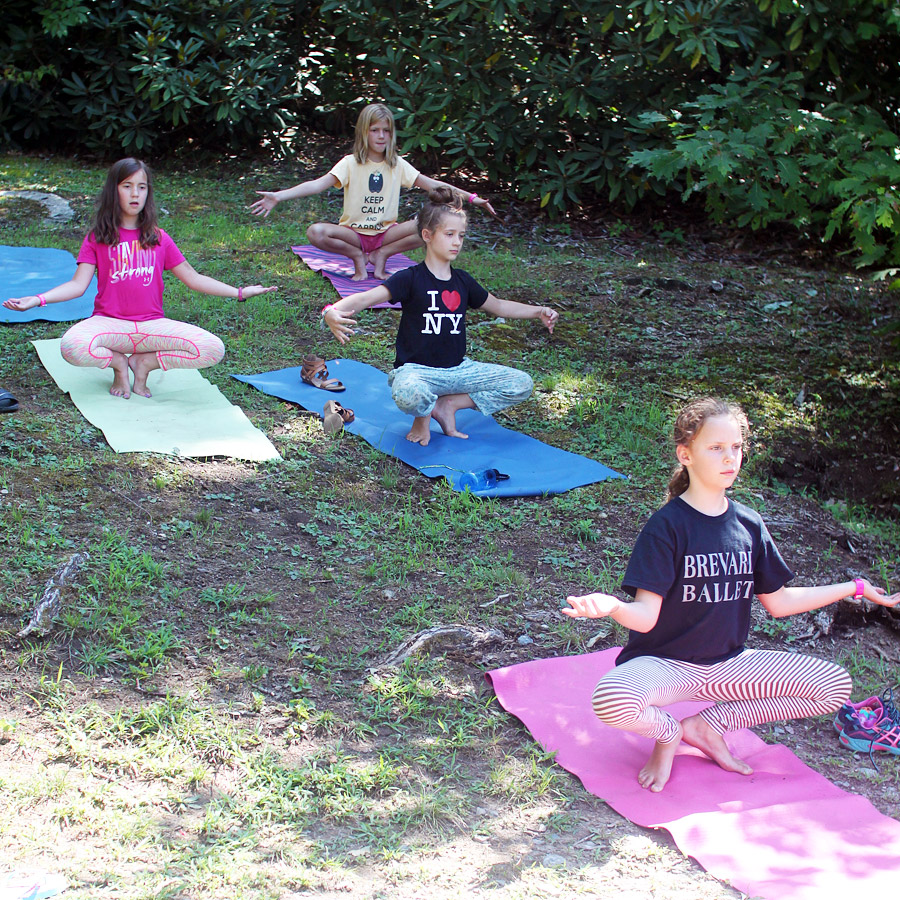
432, 328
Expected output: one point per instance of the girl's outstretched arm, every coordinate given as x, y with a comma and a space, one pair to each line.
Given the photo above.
512, 309
338, 316
67, 291
429, 184
270, 199
641, 614
203, 284
788, 601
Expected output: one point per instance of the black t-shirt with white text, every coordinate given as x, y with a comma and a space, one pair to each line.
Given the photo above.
706, 569
432, 328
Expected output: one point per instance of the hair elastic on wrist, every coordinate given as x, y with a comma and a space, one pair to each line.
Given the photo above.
860, 588
42, 299
241, 297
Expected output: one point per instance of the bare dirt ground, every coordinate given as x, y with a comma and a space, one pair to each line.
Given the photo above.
502, 842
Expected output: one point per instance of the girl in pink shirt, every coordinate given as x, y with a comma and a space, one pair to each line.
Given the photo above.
128, 331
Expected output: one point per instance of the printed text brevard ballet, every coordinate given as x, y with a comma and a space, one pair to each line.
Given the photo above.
717, 571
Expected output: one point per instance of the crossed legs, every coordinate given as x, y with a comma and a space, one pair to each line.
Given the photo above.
753, 687
345, 242
428, 392
135, 349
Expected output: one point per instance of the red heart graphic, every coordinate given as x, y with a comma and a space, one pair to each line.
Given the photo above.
451, 299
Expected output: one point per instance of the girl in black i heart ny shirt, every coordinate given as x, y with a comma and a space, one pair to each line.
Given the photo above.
432, 376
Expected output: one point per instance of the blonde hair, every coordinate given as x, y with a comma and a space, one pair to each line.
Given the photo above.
374, 112
441, 201
689, 422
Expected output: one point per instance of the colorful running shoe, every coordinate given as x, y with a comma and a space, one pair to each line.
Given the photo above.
884, 737
869, 712
866, 714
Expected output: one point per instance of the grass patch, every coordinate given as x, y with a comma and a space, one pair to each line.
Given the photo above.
203, 720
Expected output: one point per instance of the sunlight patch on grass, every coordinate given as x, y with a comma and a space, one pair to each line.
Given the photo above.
529, 777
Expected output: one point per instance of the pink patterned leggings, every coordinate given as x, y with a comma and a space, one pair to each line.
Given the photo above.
753, 687
177, 345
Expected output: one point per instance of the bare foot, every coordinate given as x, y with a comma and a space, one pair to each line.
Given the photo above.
699, 733
142, 364
121, 386
379, 261
444, 413
359, 268
655, 774
420, 433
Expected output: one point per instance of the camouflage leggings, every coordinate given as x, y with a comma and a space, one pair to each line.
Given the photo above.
416, 388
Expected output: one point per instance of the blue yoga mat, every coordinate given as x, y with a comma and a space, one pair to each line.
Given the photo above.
533, 467
29, 270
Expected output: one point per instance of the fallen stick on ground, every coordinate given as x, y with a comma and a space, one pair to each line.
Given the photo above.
456, 635
48, 605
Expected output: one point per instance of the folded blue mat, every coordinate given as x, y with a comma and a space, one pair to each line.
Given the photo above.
28, 270
534, 468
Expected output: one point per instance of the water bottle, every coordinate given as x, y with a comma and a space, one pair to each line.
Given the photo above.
483, 480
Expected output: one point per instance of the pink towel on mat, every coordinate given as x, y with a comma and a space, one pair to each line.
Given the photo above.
339, 270
783, 833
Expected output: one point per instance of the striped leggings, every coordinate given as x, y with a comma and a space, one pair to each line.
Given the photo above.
177, 345
753, 687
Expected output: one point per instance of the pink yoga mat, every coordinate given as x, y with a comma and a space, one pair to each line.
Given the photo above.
339, 271
782, 832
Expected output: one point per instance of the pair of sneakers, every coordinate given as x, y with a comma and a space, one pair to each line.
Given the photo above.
870, 725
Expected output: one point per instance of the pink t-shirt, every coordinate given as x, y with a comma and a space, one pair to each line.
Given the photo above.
129, 277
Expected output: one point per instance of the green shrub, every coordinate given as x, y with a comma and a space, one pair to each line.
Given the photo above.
533, 93
759, 155
773, 110
617, 100
137, 76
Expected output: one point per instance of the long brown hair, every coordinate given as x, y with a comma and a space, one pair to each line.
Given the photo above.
441, 201
374, 112
689, 422
108, 214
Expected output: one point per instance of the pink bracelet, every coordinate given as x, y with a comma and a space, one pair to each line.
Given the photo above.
860, 588
42, 299
240, 295
325, 309
473, 198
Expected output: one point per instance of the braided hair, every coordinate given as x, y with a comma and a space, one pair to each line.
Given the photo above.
689, 422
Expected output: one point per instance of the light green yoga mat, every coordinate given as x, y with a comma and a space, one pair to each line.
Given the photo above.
186, 416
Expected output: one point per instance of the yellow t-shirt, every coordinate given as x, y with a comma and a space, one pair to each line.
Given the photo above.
372, 192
